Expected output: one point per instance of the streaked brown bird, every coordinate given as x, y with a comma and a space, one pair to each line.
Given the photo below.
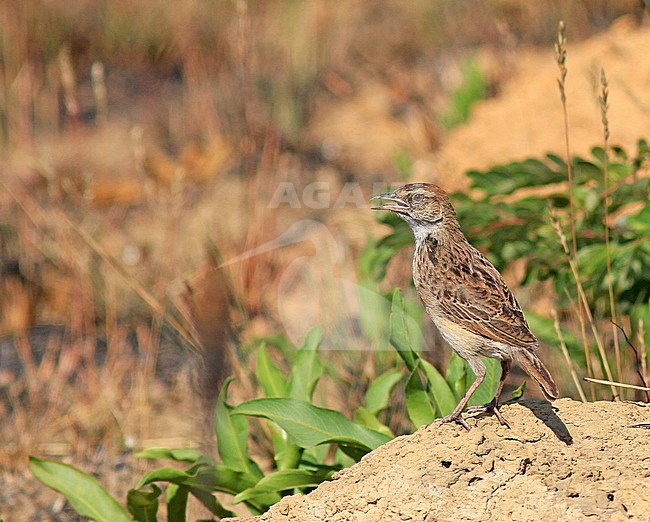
465, 296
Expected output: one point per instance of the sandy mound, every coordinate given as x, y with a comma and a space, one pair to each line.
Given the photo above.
566, 461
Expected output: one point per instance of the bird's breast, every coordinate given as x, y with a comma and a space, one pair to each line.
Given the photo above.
428, 268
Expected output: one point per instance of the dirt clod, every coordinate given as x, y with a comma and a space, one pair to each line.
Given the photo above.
562, 461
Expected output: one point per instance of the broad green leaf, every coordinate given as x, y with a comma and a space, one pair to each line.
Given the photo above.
419, 405
374, 311
456, 376
307, 367
143, 505
413, 317
355, 453
176, 497
213, 505
286, 455
309, 425
485, 392
84, 493
273, 382
366, 418
316, 455
189, 477
232, 436
210, 478
440, 391
289, 457
179, 455
399, 334
284, 480
342, 459
206, 478
380, 389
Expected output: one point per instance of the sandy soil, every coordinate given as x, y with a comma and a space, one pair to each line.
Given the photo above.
526, 119
567, 461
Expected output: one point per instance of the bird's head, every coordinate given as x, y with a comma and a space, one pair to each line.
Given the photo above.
424, 206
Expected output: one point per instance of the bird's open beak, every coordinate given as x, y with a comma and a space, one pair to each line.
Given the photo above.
395, 205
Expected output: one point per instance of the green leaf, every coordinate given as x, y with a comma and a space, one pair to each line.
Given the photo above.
456, 376
374, 311
379, 391
212, 504
518, 393
442, 395
463, 97
84, 493
366, 418
419, 405
485, 392
309, 425
232, 436
342, 460
176, 476
399, 333
207, 478
176, 497
284, 480
289, 457
437, 388
275, 385
178, 455
143, 505
273, 382
307, 367
316, 455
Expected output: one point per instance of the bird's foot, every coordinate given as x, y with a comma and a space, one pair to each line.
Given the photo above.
490, 407
454, 417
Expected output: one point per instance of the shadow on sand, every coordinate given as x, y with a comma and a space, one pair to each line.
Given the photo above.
545, 412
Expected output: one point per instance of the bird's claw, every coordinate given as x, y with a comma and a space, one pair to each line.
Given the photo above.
490, 407
455, 417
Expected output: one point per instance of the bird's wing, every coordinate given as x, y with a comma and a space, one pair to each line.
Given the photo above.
474, 295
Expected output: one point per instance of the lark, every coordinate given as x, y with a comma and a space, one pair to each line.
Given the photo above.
465, 295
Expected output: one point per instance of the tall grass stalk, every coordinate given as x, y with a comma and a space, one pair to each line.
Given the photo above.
643, 352
582, 298
639, 357
603, 100
567, 357
100, 91
618, 384
560, 58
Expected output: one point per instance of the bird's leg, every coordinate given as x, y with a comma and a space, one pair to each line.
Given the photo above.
456, 415
493, 405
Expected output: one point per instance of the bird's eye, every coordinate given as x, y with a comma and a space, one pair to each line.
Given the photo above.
417, 198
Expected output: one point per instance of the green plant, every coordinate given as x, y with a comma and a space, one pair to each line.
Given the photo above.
515, 213
300, 432
309, 443
471, 90
519, 226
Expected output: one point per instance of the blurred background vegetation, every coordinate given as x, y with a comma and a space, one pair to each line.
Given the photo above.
142, 143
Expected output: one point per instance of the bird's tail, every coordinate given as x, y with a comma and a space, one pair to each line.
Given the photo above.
529, 361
